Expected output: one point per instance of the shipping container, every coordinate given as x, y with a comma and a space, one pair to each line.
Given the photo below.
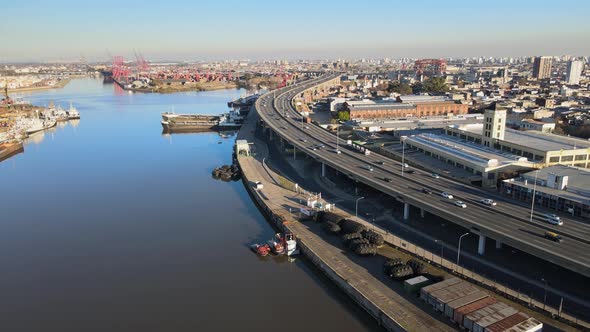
475, 316
458, 303
529, 325
507, 322
460, 313
425, 291
481, 324
451, 293
414, 285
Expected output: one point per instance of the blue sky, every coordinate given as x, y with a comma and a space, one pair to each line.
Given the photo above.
182, 29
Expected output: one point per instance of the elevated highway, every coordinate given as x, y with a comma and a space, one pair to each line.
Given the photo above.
508, 222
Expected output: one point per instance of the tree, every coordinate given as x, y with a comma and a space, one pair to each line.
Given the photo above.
343, 116
431, 85
401, 88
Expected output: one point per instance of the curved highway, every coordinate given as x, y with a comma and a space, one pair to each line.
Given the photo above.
507, 222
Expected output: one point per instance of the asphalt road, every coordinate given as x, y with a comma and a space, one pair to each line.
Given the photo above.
508, 221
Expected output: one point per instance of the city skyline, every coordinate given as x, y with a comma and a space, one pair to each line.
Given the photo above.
180, 30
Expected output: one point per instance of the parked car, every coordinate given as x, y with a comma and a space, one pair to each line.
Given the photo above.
426, 191
446, 195
434, 175
488, 202
553, 237
461, 204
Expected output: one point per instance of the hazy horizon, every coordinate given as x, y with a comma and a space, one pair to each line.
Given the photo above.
35, 31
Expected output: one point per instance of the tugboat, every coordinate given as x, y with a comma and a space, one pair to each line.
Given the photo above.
276, 245
260, 249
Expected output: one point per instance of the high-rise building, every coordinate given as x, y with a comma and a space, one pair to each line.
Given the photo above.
542, 67
494, 126
574, 70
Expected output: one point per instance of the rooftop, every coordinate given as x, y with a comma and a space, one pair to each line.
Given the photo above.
534, 139
468, 151
369, 105
578, 187
422, 99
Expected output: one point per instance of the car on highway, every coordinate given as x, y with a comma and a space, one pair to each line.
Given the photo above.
446, 195
306, 127
368, 167
380, 162
426, 191
313, 147
336, 151
410, 171
553, 219
461, 204
405, 165
387, 179
434, 175
488, 202
303, 140
553, 237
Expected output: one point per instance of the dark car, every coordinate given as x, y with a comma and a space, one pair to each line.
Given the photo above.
387, 179
410, 171
379, 162
426, 191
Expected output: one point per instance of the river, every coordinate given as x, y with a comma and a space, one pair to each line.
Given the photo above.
108, 225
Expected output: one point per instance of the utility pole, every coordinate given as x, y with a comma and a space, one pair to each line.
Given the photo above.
403, 155
356, 213
534, 192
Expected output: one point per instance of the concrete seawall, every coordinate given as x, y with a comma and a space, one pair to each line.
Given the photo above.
279, 221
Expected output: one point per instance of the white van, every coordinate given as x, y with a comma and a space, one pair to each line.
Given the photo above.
553, 219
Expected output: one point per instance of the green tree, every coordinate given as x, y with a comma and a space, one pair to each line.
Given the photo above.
401, 88
343, 116
431, 85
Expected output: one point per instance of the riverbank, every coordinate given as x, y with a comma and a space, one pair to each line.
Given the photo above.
8, 150
391, 310
60, 84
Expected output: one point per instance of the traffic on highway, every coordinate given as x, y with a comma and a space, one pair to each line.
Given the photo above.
480, 211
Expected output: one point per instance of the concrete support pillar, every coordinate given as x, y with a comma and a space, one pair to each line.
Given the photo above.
323, 169
481, 248
498, 244
422, 212
406, 211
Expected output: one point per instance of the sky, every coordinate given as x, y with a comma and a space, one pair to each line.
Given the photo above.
51, 30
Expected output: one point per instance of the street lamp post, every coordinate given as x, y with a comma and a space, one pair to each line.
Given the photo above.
403, 155
441, 248
545, 295
533, 200
337, 138
459, 247
356, 210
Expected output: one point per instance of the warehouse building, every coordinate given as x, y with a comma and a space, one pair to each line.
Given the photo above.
561, 188
403, 107
545, 148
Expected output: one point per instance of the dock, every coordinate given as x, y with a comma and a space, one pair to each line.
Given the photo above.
391, 310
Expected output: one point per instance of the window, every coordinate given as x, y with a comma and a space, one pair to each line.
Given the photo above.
554, 159
581, 157
567, 158
580, 165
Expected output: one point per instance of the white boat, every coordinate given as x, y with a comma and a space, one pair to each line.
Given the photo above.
291, 245
73, 113
230, 120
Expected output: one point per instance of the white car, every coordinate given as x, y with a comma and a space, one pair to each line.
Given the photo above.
446, 195
553, 219
488, 202
336, 151
461, 204
405, 165
434, 175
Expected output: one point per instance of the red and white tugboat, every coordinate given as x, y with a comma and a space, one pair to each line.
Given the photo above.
277, 244
260, 249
